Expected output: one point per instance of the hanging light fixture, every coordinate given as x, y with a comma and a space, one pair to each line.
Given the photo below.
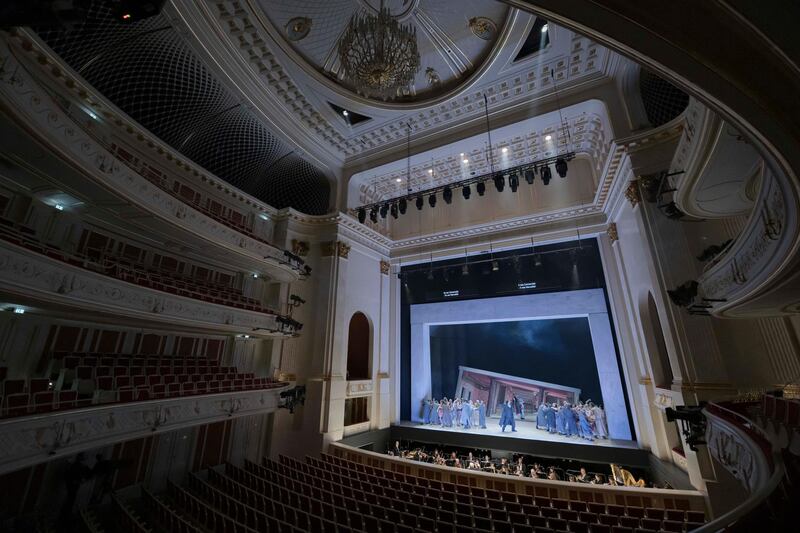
373, 215
561, 167
529, 176
447, 194
362, 215
384, 210
378, 56
480, 188
393, 210
465, 192
419, 202
513, 181
432, 200
403, 206
546, 175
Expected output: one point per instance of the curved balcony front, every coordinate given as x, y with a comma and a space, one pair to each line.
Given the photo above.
29, 440
38, 279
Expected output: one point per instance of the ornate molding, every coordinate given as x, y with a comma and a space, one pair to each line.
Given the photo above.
25, 272
360, 388
632, 193
385, 267
299, 248
736, 452
338, 248
30, 440
612, 232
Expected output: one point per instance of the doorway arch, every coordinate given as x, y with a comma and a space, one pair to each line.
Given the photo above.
358, 347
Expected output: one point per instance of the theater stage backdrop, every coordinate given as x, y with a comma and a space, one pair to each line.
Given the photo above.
562, 340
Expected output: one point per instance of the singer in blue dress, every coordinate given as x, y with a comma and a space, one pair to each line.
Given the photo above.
482, 414
586, 427
540, 418
466, 415
570, 425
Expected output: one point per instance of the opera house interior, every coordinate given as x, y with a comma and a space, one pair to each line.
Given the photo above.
399, 266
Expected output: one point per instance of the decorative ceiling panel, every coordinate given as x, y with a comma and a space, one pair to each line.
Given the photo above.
148, 71
451, 45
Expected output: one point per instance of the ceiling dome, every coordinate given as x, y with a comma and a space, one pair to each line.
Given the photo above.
452, 46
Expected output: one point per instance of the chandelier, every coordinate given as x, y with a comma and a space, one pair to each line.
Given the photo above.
378, 55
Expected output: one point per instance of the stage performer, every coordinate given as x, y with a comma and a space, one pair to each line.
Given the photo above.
560, 419
466, 415
600, 422
426, 411
585, 424
550, 418
521, 408
570, 427
482, 413
541, 419
440, 412
458, 407
507, 417
445, 413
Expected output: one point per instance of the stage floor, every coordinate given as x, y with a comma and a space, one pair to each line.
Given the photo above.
525, 430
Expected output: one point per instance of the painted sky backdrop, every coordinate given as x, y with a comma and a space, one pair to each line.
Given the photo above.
553, 350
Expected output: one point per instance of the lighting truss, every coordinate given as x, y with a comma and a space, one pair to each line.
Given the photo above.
519, 170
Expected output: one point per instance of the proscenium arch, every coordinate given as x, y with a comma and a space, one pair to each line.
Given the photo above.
359, 347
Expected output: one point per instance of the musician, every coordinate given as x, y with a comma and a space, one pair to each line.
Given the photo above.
583, 477
552, 475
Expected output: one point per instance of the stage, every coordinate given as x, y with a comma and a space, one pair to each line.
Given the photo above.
526, 429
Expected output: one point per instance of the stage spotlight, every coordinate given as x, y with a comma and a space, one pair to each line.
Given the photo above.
546, 175
480, 188
403, 205
529, 176
420, 202
447, 194
373, 214
384, 210
561, 167
513, 182
465, 192
495, 266
499, 182
432, 200
393, 210
362, 215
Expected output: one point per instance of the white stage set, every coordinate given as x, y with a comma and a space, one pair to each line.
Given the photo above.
589, 303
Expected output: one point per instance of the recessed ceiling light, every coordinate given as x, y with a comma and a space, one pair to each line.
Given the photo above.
430, 171
547, 137
59, 207
398, 180
263, 216
465, 160
461, 154
344, 112
505, 149
19, 311
544, 28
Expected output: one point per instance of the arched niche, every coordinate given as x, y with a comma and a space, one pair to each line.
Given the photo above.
358, 347
656, 344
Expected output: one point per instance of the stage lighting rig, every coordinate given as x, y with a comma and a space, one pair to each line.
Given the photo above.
693, 423
480, 188
373, 215
546, 174
393, 210
561, 167
447, 194
465, 192
499, 182
402, 205
432, 200
362, 215
384, 210
529, 176
513, 181
291, 398
420, 202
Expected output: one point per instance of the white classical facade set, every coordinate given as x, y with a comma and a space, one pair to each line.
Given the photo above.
76, 167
